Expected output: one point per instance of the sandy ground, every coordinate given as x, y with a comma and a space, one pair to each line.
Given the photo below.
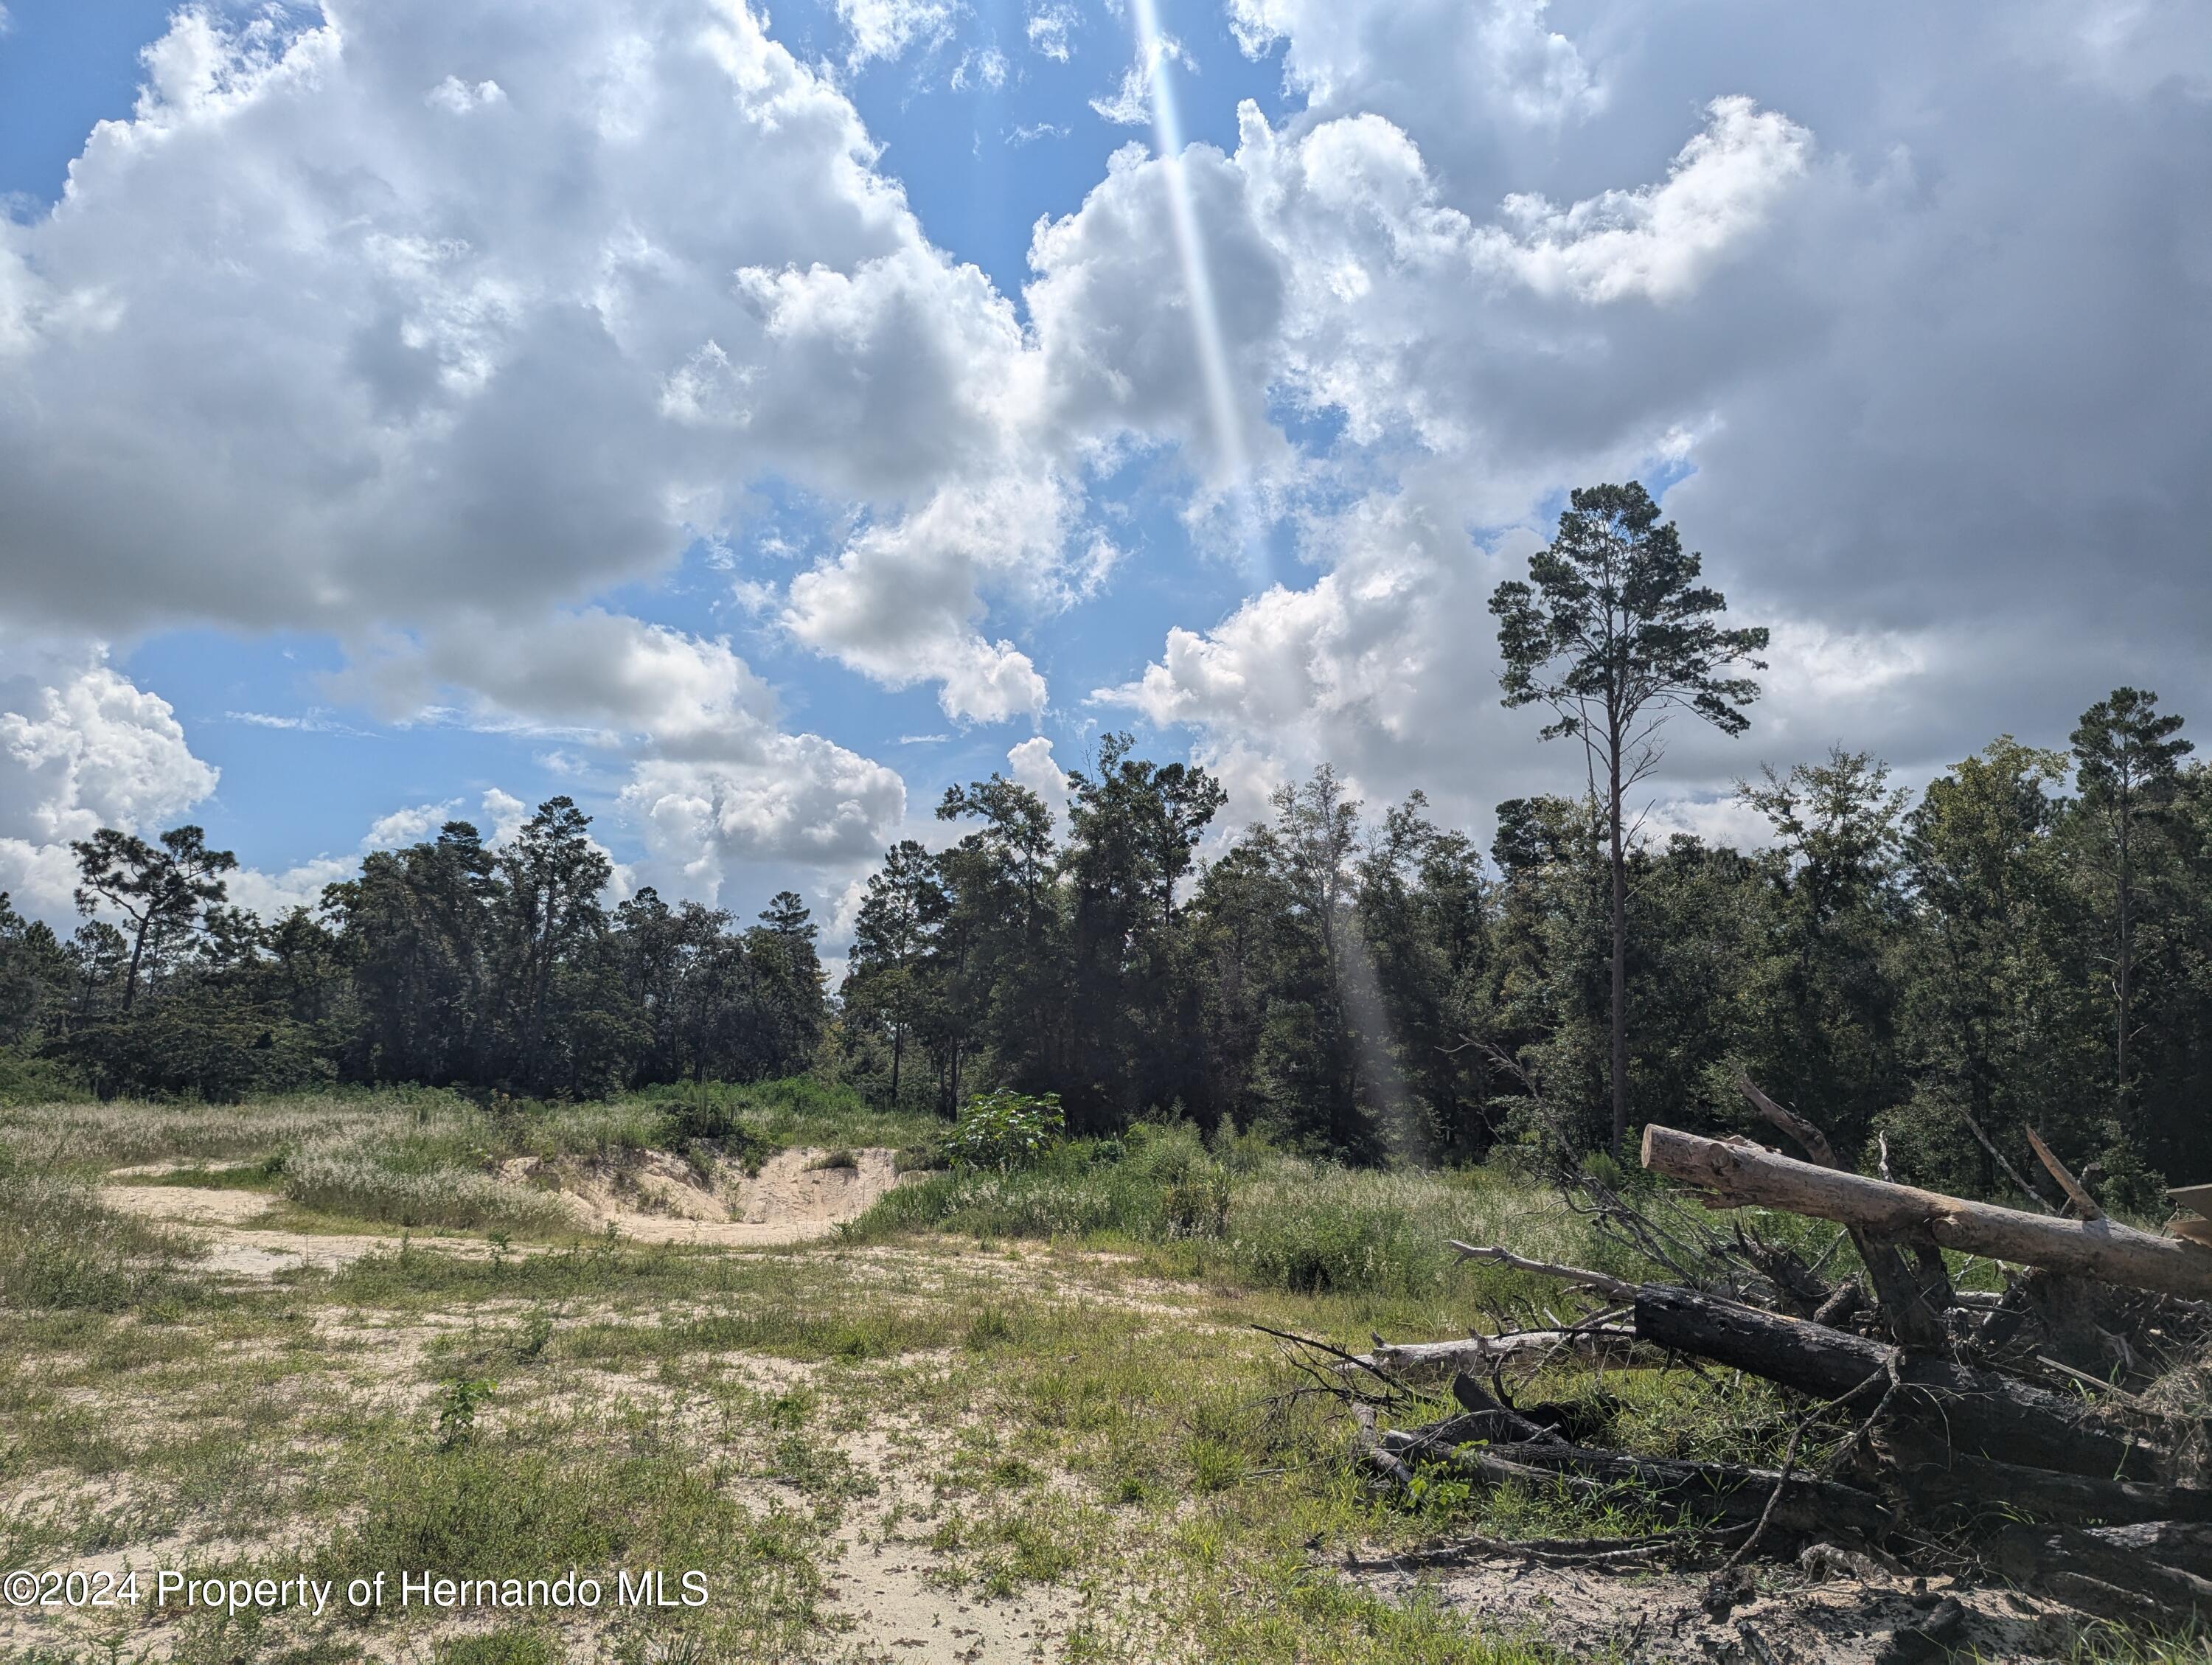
1797, 1616
891, 1588
791, 1200
890, 1593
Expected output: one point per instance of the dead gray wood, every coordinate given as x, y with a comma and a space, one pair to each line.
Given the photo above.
1739, 1174
1605, 1343
2055, 1557
1904, 1305
2084, 1204
1726, 1492
1928, 1473
1612, 1288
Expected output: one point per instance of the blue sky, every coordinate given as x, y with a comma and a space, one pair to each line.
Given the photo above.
419, 409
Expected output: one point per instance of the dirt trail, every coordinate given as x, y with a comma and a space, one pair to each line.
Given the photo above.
794, 1199
897, 1600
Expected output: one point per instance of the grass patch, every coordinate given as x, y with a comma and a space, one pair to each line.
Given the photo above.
59, 1247
415, 1179
1253, 1216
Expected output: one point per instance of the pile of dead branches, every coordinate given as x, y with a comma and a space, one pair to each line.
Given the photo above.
2035, 1432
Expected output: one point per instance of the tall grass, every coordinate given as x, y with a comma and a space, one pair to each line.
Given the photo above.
92, 1136
1258, 1217
435, 1178
796, 1110
59, 1248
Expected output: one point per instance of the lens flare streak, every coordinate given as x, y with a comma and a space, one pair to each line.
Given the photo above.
1154, 53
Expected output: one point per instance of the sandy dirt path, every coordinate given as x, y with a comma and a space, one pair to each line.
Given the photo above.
793, 1199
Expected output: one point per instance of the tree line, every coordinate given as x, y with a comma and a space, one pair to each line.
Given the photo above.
448, 963
2027, 943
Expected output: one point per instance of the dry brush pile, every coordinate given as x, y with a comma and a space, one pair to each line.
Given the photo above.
2050, 1434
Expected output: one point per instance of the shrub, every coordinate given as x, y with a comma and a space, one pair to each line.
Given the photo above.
1003, 1131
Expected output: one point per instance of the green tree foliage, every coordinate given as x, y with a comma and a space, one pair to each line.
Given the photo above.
2127, 758
1613, 631
35, 976
1819, 1015
1997, 1012
1133, 827
1921, 970
159, 890
895, 980
449, 962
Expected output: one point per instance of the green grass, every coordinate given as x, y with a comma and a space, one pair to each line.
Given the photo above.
1257, 1218
965, 1381
60, 1247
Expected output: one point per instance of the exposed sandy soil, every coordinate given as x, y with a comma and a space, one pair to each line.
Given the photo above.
793, 1198
221, 1223
1797, 1617
657, 1200
891, 1586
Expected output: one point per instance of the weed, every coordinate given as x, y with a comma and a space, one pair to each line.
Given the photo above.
536, 1332
457, 1410
60, 1247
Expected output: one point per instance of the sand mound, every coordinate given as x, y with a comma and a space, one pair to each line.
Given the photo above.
653, 1197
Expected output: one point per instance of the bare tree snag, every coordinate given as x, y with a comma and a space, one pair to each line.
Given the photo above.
1899, 1297
1739, 1174
1612, 1288
2085, 1206
1979, 1411
1998, 1157
1810, 1140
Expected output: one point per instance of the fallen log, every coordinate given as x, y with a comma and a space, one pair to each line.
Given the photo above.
2081, 1566
1980, 1411
1736, 1174
1929, 1475
1727, 1491
1478, 1354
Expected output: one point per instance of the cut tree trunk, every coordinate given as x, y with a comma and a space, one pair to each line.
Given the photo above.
1737, 1174
1979, 1411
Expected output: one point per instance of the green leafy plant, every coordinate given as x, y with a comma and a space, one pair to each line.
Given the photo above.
457, 1410
1004, 1130
536, 1332
1197, 1204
